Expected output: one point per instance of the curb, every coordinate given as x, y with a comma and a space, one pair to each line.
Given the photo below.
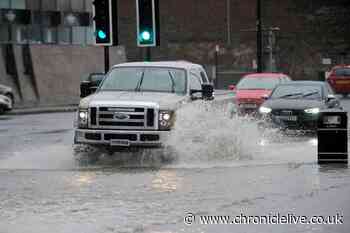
26, 111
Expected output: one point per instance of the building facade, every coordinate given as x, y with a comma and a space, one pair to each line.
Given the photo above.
46, 22
38, 37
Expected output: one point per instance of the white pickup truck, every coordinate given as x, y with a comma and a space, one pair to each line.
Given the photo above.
135, 104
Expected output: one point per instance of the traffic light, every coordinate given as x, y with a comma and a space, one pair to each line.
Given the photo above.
105, 22
147, 12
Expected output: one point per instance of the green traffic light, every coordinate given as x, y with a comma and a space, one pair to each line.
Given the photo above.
146, 36
101, 34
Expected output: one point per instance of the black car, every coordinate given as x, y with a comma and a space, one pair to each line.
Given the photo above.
91, 83
296, 105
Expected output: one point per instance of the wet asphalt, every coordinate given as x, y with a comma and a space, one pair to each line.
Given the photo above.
49, 185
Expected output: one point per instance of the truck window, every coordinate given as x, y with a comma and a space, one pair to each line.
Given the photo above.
204, 77
195, 82
163, 80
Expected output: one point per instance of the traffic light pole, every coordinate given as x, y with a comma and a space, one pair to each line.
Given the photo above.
259, 37
148, 54
106, 53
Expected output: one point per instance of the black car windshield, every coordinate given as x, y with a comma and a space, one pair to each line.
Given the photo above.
297, 92
257, 83
342, 72
157, 79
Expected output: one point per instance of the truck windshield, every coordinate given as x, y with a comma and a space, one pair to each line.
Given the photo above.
152, 79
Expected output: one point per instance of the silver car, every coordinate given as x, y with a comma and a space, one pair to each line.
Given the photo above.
5, 103
6, 98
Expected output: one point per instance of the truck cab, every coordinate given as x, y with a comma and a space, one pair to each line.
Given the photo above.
135, 104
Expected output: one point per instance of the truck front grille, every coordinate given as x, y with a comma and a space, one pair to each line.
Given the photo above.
122, 118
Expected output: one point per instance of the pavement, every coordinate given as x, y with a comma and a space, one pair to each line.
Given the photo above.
44, 109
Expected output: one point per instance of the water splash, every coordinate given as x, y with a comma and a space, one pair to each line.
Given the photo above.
208, 132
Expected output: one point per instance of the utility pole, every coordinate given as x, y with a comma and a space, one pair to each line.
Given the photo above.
228, 16
216, 83
259, 37
148, 56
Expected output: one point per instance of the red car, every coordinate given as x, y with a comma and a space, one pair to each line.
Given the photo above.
252, 90
339, 79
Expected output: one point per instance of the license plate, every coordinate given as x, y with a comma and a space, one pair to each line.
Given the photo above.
120, 143
332, 120
248, 105
288, 118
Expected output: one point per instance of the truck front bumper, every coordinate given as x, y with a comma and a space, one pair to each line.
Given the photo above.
122, 138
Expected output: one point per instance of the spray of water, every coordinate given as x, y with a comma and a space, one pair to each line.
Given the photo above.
208, 132
204, 132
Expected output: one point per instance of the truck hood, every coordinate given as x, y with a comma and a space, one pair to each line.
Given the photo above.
116, 98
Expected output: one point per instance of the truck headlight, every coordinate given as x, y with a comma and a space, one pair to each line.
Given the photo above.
166, 119
312, 110
264, 110
83, 117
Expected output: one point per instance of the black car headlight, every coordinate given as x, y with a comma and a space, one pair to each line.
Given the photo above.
313, 111
83, 116
166, 119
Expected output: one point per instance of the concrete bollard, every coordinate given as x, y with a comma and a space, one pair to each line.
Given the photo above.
332, 134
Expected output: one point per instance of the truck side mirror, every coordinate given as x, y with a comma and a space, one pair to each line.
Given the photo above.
330, 98
86, 88
207, 91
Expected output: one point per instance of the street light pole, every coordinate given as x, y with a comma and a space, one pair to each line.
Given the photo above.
259, 37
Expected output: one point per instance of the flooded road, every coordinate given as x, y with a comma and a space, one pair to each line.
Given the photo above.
216, 166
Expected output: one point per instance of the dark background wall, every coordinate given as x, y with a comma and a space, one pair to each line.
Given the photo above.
309, 31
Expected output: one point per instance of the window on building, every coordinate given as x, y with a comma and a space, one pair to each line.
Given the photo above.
64, 35
5, 4
49, 5
33, 4
34, 34
4, 33
18, 4
78, 35
64, 5
78, 5
49, 35
20, 34
90, 38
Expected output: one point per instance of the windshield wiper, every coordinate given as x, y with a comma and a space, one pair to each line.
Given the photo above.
172, 82
139, 83
290, 95
310, 93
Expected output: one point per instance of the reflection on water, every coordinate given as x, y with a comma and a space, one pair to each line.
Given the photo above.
333, 168
166, 180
